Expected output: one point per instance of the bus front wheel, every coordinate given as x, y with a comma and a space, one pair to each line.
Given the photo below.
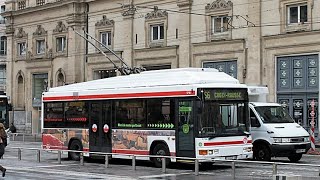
77, 146
160, 150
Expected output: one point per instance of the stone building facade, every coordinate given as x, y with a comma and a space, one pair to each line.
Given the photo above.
3, 48
273, 43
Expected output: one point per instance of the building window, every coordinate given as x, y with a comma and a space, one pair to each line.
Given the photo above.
157, 67
101, 74
220, 24
2, 77
22, 49
3, 45
21, 4
157, 32
40, 2
297, 14
40, 85
40, 46
105, 38
61, 44
2, 19
228, 67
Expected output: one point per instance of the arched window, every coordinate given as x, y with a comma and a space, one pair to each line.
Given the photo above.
60, 80
20, 94
3, 45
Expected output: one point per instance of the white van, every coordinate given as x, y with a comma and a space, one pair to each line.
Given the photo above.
274, 132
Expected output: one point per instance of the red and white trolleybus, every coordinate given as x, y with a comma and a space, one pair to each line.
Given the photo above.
187, 112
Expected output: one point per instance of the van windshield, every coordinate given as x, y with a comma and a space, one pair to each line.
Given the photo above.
274, 114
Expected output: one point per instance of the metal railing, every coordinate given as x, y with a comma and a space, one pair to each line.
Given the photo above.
197, 161
25, 137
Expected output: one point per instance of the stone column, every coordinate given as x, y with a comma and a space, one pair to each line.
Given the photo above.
253, 43
76, 44
184, 31
128, 16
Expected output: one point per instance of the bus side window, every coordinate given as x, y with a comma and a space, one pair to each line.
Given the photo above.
253, 119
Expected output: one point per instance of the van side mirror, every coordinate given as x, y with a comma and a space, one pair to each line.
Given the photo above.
254, 122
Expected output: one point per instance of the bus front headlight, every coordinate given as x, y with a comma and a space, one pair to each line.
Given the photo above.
247, 149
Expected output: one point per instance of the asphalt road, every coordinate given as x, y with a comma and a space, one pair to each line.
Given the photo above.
49, 169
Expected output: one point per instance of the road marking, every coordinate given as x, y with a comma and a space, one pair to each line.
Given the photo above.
163, 175
69, 173
57, 165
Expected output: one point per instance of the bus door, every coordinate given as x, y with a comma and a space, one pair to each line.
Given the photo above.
185, 129
100, 127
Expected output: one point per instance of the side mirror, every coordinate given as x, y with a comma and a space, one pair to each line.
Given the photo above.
254, 122
199, 106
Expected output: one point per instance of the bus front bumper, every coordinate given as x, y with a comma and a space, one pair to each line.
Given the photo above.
243, 156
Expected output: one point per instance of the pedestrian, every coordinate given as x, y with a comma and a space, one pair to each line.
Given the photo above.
12, 128
3, 140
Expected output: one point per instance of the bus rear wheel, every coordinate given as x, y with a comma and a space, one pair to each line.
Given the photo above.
160, 150
77, 146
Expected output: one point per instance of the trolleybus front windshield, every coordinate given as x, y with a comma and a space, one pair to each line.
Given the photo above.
224, 113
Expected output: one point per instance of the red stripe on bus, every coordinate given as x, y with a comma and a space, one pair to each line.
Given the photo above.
110, 96
137, 152
128, 151
226, 143
61, 148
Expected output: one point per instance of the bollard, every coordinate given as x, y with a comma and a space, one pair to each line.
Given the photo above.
13, 136
133, 162
19, 154
163, 160
196, 167
59, 157
22, 137
106, 162
274, 168
233, 164
81, 159
38, 155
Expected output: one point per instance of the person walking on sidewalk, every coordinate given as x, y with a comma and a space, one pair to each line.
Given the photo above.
3, 140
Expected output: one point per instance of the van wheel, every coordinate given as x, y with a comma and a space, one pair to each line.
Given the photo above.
75, 145
261, 152
295, 158
160, 150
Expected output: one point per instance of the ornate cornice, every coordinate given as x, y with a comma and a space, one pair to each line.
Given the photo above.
21, 33
40, 31
105, 22
219, 5
9, 29
128, 10
156, 13
60, 28
183, 3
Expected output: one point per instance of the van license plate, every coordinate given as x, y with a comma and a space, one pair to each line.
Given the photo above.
300, 150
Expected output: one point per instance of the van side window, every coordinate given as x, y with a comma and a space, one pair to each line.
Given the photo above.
253, 119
